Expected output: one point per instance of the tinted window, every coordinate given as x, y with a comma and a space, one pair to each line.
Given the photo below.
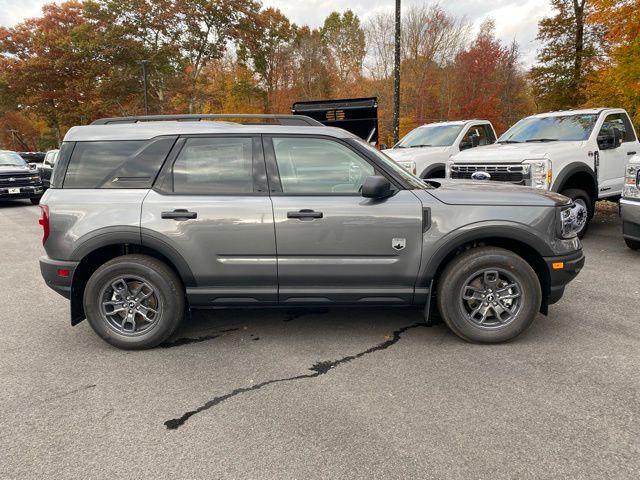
553, 128
214, 166
314, 165
116, 164
483, 132
430, 136
621, 122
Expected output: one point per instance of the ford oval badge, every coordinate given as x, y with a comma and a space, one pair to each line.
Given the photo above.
481, 176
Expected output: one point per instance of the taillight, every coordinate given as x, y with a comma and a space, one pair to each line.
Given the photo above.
44, 221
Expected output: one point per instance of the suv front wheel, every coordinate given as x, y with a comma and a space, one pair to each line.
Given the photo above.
134, 302
488, 295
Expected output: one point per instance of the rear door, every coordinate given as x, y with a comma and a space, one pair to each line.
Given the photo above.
211, 207
334, 246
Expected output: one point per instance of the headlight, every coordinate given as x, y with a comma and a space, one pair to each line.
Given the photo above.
410, 166
540, 173
571, 220
447, 169
632, 181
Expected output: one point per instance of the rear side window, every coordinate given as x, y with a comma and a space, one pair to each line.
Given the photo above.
216, 165
116, 164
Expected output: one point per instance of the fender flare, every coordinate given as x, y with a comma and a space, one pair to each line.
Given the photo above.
502, 230
427, 172
571, 169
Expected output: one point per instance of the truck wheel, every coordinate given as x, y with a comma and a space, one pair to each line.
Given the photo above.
632, 244
488, 295
585, 205
134, 302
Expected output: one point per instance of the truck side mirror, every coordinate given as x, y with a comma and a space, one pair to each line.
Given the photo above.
376, 186
609, 140
475, 141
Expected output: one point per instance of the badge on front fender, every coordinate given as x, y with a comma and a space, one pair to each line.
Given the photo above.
399, 243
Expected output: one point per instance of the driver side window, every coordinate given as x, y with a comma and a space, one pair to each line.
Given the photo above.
482, 134
319, 166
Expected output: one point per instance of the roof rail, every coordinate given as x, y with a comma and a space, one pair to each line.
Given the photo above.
290, 120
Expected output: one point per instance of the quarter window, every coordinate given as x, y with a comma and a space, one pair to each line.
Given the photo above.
319, 166
214, 166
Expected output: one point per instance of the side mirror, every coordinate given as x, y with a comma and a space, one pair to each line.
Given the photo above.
33, 166
475, 141
466, 145
376, 187
608, 140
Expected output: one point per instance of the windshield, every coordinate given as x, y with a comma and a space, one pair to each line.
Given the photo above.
550, 129
11, 159
415, 182
430, 136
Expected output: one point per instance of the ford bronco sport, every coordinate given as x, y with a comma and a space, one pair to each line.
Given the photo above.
148, 219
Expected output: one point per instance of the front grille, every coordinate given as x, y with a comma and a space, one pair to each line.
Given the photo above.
499, 173
19, 180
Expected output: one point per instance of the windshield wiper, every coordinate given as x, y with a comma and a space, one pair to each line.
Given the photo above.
10, 165
508, 141
542, 140
418, 146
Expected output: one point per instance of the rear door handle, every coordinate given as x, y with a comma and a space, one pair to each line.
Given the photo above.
179, 214
304, 214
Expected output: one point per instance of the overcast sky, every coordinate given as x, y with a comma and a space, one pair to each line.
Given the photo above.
515, 19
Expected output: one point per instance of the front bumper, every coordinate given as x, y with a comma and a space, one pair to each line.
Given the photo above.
27, 191
562, 270
58, 274
630, 212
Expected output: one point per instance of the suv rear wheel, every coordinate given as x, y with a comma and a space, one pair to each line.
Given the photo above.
488, 295
632, 244
134, 302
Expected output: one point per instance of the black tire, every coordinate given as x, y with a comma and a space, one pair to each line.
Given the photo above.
632, 244
35, 200
168, 294
453, 285
576, 194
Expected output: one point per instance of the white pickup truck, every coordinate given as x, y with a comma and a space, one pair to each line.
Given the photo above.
425, 150
579, 153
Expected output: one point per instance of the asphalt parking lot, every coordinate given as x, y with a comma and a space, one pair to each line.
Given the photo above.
368, 393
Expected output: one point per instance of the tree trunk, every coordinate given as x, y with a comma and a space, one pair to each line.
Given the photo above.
578, 7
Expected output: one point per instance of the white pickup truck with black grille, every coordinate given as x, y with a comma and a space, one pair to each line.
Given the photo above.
579, 153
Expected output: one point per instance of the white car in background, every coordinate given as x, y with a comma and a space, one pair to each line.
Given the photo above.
425, 150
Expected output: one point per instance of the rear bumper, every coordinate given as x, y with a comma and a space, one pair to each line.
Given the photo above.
560, 277
28, 191
53, 272
630, 212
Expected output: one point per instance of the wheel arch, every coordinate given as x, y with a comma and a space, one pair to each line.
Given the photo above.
524, 244
577, 175
431, 169
101, 248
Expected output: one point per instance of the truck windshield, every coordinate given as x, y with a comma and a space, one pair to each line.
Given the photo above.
551, 129
430, 136
11, 159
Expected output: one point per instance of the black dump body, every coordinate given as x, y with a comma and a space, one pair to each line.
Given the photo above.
356, 115
32, 157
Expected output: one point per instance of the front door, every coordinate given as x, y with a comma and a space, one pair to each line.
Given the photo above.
334, 246
212, 208
612, 162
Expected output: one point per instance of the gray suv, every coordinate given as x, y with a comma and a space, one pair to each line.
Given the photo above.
147, 218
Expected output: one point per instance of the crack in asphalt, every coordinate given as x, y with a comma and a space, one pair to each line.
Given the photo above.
186, 341
319, 368
71, 392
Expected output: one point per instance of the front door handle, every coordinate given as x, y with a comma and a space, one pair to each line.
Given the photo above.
304, 214
631, 153
179, 214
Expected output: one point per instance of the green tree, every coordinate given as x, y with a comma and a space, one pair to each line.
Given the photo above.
344, 39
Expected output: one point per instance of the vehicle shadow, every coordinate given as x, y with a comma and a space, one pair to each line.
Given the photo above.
17, 203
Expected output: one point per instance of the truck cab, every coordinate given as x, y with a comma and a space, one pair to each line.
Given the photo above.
579, 153
425, 150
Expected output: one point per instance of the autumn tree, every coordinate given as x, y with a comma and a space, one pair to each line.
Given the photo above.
568, 54
616, 81
344, 39
313, 78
